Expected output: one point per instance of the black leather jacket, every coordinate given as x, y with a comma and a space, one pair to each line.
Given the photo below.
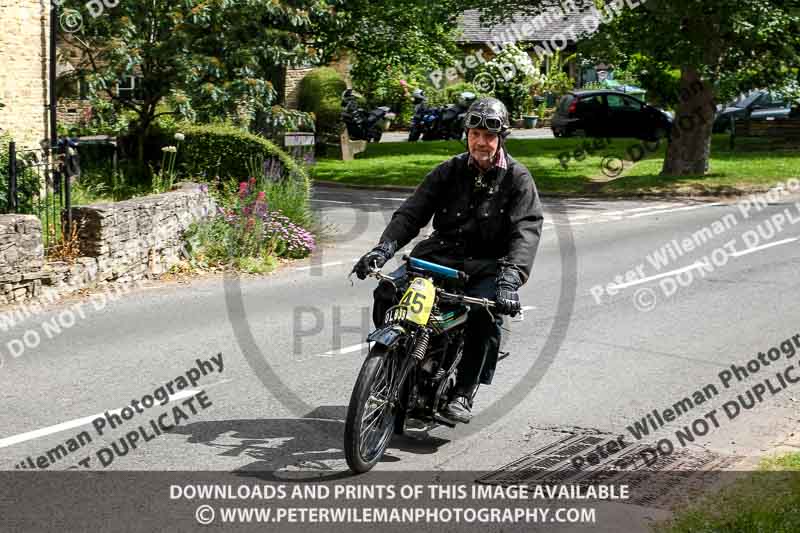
474, 226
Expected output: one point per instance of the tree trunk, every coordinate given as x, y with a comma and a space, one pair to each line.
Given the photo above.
690, 146
140, 138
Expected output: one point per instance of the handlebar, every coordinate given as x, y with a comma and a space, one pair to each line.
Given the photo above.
485, 302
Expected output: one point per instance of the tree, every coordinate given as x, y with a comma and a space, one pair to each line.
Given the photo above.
721, 48
390, 40
209, 56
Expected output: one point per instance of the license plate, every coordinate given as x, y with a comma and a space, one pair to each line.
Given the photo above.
418, 301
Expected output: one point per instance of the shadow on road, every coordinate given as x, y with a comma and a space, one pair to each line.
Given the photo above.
295, 448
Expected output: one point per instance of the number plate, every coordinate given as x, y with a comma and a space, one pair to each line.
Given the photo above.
418, 300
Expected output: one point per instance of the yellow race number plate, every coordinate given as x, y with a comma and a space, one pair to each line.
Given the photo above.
418, 300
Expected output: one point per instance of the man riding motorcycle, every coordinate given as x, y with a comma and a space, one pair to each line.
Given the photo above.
487, 221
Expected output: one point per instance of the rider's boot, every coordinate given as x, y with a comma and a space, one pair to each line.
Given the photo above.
460, 407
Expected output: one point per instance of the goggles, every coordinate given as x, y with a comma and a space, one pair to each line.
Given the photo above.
478, 120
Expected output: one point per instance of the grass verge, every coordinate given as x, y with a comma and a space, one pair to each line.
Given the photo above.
765, 501
407, 163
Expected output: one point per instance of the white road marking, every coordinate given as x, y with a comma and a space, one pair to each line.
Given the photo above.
392, 199
330, 201
700, 264
309, 267
86, 420
763, 246
635, 210
694, 265
687, 208
528, 307
346, 349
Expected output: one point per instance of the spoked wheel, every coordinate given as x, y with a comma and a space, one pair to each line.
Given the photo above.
371, 413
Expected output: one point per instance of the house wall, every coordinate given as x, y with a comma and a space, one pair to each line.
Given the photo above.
24, 33
292, 86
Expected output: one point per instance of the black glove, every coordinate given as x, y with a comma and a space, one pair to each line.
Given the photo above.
375, 258
506, 285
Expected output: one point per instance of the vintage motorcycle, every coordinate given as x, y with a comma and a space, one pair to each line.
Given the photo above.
411, 368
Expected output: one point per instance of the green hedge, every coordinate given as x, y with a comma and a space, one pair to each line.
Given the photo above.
227, 151
320, 93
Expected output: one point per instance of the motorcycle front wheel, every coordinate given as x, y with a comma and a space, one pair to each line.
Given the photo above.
371, 415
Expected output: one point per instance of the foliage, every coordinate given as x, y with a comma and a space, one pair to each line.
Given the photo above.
390, 40
542, 110
406, 164
67, 249
289, 196
226, 151
275, 122
659, 80
514, 75
763, 500
731, 45
247, 234
27, 182
554, 80
205, 58
320, 94
165, 177
318, 84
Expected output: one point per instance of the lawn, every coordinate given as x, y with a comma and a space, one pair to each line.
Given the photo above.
407, 163
767, 500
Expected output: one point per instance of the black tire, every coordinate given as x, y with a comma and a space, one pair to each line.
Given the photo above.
413, 135
372, 373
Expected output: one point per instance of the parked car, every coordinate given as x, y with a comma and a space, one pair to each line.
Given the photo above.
609, 114
758, 105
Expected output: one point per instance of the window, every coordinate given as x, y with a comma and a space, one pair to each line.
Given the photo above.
564, 104
770, 100
590, 103
72, 88
623, 103
130, 88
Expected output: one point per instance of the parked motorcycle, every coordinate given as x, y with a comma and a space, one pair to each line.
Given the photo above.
411, 369
362, 125
435, 123
422, 118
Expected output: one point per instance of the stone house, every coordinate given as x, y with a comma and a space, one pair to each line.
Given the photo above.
543, 35
24, 36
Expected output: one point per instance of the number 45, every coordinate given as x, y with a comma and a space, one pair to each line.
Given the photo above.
414, 300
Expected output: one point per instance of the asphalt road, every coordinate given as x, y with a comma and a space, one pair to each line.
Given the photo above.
576, 365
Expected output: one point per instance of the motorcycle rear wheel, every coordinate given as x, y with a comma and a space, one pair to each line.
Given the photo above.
370, 417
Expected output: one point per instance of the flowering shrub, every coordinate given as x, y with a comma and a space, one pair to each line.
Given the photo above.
248, 233
294, 241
